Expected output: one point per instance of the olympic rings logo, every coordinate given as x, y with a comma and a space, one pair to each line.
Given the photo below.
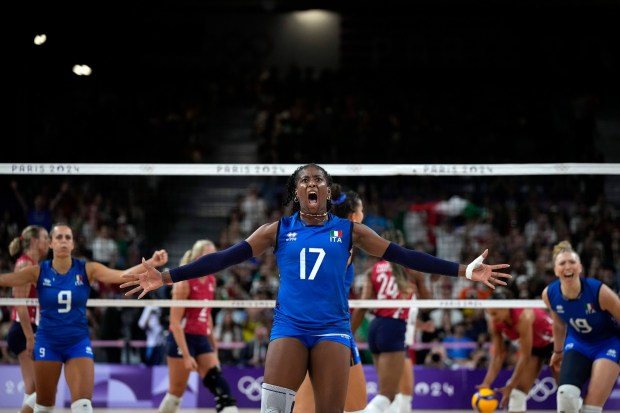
251, 387
542, 389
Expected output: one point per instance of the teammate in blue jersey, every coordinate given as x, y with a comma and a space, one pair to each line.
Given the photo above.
586, 334
63, 285
311, 331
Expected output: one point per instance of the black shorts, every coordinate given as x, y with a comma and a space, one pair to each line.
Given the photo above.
543, 352
16, 340
196, 344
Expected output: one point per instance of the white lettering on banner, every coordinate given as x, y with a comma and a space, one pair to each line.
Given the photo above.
45, 169
254, 169
434, 389
251, 387
543, 389
10, 387
456, 170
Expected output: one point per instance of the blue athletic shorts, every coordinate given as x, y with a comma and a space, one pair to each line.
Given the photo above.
16, 340
608, 348
47, 350
278, 330
386, 335
197, 344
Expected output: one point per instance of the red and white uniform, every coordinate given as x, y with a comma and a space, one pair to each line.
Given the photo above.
543, 327
196, 319
32, 310
386, 288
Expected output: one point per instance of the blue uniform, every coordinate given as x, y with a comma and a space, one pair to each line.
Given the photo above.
593, 332
63, 328
312, 301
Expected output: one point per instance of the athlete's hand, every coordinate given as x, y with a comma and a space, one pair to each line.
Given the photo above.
29, 345
146, 281
159, 258
505, 391
190, 363
555, 363
486, 273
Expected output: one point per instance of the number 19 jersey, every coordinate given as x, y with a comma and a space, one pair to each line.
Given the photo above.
313, 259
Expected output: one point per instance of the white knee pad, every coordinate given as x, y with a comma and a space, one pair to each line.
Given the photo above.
30, 400
517, 401
588, 408
43, 409
569, 399
378, 404
169, 404
276, 399
400, 404
403, 403
81, 406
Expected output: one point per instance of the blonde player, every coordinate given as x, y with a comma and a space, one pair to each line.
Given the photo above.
33, 243
191, 346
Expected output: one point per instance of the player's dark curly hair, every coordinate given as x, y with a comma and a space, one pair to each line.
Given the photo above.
344, 203
291, 185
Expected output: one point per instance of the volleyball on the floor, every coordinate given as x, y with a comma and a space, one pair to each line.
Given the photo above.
485, 401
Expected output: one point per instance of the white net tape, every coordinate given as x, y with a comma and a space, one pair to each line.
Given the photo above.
271, 303
287, 169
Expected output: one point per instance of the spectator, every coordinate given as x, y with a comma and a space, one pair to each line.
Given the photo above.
255, 351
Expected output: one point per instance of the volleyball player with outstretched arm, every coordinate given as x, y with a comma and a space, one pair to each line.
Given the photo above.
311, 330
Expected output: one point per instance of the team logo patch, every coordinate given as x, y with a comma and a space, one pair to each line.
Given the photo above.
335, 236
590, 308
79, 280
291, 236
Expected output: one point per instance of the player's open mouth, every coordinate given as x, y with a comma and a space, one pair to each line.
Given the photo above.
313, 198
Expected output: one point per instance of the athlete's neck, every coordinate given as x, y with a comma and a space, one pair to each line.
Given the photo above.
318, 218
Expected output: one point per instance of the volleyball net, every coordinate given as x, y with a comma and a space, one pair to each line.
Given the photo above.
453, 211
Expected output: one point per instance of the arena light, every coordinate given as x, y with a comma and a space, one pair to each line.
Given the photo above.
40, 39
82, 70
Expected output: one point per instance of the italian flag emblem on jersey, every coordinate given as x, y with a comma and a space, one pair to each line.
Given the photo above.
335, 234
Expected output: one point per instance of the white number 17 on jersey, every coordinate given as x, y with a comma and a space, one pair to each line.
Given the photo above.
317, 264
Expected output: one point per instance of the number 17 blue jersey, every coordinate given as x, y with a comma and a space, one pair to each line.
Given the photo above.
312, 259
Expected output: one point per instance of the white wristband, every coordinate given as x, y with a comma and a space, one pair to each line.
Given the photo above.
472, 266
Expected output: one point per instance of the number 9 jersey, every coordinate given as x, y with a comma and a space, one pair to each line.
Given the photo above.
62, 301
312, 260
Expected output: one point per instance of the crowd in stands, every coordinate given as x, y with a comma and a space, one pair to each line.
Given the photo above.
518, 219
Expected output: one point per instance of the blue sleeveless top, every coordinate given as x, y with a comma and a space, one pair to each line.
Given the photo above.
583, 315
62, 300
314, 289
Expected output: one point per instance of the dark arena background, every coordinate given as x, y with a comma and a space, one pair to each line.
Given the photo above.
466, 124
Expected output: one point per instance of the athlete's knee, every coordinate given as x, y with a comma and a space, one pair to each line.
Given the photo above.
276, 399
169, 404
569, 399
217, 384
43, 409
30, 400
82, 406
517, 401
